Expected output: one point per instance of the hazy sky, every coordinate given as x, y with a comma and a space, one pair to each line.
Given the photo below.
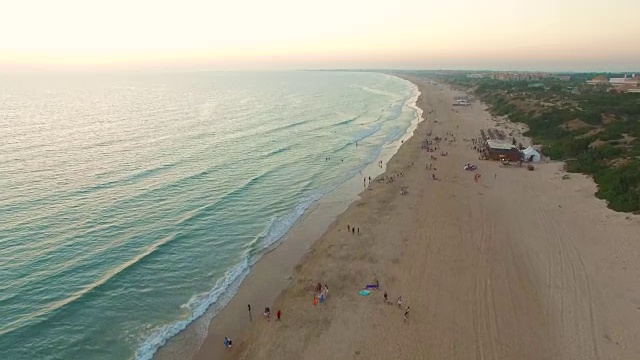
287, 34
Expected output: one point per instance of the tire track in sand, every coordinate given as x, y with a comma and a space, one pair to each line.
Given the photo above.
552, 229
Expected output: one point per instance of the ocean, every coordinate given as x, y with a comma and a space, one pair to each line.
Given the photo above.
131, 203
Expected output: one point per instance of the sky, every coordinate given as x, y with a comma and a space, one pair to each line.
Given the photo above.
561, 35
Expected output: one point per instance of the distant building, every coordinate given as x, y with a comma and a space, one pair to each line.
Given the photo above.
625, 81
563, 77
475, 76
598, 80
526, 76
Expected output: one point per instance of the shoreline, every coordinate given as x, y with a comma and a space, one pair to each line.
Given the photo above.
519, 265
276, 265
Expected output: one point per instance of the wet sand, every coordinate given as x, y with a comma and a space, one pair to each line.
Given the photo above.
520, 265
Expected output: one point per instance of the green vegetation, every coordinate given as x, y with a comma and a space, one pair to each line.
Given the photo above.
595, 131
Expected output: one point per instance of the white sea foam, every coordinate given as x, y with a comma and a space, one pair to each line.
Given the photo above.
198, 304
226, 287
280, 226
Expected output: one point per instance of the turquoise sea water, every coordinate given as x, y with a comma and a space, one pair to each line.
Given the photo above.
129, 204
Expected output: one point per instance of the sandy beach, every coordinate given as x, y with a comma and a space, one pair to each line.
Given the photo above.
520, 265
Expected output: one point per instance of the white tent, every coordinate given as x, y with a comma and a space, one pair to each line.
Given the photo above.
531, 154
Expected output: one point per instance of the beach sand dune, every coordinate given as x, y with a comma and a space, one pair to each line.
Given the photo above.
519, 265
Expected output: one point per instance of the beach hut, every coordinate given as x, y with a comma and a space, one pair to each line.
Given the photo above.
530, 154
502, 151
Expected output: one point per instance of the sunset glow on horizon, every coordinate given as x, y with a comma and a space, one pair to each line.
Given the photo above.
286, 34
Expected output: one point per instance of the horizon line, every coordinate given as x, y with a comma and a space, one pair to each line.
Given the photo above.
186, 70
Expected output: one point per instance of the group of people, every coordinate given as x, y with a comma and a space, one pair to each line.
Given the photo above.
267, 314
429, 166
389, 179
353, 229
227, 343
321, 293
399, 301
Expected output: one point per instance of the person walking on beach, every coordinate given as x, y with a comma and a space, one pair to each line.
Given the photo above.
406, 313
348, 228
278, 315
353, 230
386, 297
358, 231
400, 302
249, 306
315, 300
226, 343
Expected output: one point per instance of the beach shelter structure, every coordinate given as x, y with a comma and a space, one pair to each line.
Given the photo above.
531, 154
497, 150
